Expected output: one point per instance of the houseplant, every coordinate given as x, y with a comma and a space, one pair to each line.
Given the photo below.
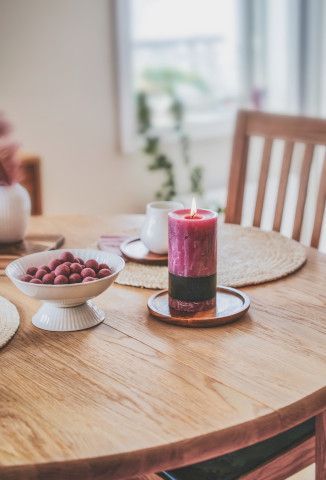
15, 204
167, 81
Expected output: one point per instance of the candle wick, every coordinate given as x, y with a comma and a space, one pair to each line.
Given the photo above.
193, 209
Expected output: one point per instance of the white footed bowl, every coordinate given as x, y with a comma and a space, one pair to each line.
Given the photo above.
66, 307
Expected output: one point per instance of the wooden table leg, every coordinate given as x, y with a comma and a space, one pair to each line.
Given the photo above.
321, 446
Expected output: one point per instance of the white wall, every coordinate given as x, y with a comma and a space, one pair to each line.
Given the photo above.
57, 85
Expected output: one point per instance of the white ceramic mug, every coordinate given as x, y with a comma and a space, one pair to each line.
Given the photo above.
154, 232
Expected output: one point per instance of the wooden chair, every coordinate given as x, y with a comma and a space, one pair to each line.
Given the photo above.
309, 131
291, 451
31, 180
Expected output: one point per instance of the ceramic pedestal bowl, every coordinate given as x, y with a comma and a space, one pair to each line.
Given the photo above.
65, 307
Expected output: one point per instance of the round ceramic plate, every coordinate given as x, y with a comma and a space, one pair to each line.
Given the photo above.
134, 250
231, 304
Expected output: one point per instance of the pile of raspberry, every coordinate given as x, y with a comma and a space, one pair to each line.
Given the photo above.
67, 269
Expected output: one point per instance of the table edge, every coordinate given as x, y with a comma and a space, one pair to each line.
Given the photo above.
177, 454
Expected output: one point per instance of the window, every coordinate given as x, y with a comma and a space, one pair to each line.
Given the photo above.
203, 59
184, 54
186, 49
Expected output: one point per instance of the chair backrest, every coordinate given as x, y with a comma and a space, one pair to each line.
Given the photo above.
309, 131
31, 180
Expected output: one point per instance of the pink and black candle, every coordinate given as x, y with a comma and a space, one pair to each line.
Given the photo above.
192, 260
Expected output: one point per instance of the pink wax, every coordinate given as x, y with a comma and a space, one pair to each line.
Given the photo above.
192, 260
192, 243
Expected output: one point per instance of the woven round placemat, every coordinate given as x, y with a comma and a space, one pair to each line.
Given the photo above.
9, 321
247, 256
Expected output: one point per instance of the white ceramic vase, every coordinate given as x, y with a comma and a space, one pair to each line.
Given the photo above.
15, 210
154, 232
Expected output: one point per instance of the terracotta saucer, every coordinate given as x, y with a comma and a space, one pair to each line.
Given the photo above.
134, 249
231, 304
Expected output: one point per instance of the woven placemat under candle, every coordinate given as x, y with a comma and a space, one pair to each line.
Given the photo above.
247, 256
9, 321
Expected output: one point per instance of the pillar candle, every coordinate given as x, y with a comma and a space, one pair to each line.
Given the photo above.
192, 260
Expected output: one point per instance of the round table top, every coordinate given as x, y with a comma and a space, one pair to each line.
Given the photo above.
135, 395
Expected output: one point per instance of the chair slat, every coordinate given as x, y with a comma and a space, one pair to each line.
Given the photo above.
287, 158
263, 181
320, 208
302, 194
237, 177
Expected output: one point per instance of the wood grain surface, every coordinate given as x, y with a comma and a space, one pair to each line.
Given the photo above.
134, 396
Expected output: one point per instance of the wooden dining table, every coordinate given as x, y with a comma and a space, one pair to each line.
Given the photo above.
134, 395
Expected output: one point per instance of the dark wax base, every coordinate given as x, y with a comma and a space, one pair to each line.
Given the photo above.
192, 294
192, 289
181, 306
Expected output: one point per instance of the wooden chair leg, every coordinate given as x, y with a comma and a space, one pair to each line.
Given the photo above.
321, 446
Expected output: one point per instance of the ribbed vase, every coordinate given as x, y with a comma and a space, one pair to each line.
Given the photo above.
15, 210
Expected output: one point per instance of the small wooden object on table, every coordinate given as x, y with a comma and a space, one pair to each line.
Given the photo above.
135, 251
31, 244
231, 304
